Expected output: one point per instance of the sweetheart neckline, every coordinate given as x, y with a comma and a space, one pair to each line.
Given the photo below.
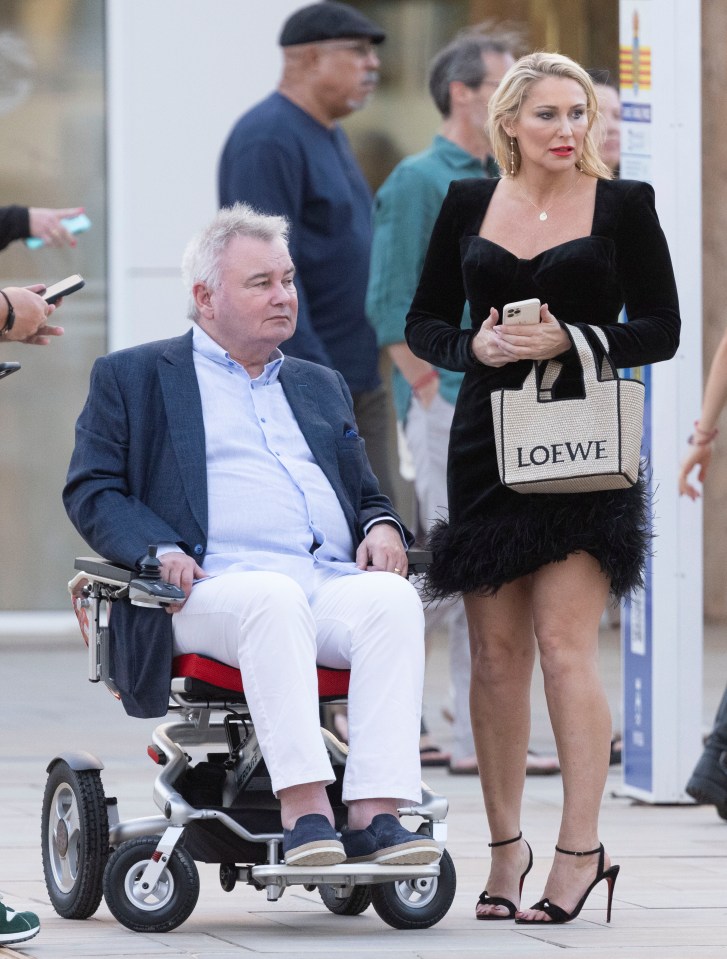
523, 259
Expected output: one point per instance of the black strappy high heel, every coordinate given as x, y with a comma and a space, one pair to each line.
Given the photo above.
486, 900
558, 915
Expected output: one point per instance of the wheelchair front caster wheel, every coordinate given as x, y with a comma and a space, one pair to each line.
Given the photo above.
161, 908
416, 903
228, 876
351, 905
75, 840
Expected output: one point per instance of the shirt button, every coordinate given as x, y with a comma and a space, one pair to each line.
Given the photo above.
262, 419
198, 549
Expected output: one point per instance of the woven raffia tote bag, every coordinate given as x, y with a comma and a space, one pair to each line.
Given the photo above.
570, 445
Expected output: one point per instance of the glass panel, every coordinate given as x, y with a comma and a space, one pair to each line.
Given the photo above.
52, 119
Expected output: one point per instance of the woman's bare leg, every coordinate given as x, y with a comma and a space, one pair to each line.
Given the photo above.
503, 653
568, 599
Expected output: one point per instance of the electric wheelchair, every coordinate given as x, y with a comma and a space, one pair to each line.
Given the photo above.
213, 793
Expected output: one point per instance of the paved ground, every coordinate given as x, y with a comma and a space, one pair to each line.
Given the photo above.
670, 901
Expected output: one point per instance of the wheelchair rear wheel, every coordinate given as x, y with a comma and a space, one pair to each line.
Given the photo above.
351, 905
416, 903
75, 840
167, 904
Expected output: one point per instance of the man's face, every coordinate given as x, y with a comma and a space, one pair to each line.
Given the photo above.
496, 66
255, 307
609, 106
347, 72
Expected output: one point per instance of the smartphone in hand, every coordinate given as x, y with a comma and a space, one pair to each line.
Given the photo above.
63, 288
521, 312
74, 224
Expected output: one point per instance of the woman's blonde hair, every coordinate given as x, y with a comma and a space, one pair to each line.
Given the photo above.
506, 103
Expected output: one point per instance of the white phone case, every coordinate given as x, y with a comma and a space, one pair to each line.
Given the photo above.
521, 312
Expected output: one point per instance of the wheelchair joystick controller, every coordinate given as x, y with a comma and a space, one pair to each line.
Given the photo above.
150, 566
149, 589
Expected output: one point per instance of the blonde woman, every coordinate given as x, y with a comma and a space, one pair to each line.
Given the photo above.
536, 570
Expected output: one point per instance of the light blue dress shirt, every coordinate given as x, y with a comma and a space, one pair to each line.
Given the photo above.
287, 517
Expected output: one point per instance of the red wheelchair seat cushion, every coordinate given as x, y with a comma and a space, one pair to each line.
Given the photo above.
332, 683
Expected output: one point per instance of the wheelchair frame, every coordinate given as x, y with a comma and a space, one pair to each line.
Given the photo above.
142, 866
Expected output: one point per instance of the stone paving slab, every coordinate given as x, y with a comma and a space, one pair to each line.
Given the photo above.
670, 900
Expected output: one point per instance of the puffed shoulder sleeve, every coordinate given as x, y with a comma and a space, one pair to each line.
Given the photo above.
433, 324
648, 284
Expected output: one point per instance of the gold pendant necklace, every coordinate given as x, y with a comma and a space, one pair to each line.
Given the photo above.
544, 212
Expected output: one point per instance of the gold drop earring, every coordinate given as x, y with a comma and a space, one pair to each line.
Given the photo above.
512, 156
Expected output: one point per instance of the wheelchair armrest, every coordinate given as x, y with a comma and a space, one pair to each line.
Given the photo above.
419, 560
96, 566
141, 591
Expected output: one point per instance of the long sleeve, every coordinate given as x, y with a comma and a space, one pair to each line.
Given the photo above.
404, 210
97, 495
14, 224
648, 286
433, 324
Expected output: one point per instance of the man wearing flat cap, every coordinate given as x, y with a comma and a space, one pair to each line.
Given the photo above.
288, 155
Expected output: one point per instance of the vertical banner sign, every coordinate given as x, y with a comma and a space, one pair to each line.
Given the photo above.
662, 623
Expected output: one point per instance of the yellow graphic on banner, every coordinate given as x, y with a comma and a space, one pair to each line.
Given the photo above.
635, 62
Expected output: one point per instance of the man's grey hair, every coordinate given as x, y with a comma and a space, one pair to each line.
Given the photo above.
462, 60
202, 258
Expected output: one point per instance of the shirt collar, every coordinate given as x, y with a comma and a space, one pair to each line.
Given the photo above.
203, 344
456, 155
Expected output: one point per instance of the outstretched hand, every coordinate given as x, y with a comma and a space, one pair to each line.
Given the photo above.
45, 224
31, 316
698, 456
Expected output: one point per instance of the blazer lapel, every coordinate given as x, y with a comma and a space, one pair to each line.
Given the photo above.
301, 394
186, 425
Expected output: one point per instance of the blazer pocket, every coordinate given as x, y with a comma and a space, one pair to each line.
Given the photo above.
350, 459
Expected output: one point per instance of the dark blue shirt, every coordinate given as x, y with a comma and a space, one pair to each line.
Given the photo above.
282, 161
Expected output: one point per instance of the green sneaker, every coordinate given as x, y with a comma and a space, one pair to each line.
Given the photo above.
17, 926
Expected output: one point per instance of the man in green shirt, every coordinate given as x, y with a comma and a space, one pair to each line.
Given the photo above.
462, 78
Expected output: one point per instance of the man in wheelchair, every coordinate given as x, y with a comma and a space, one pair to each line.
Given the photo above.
246, 468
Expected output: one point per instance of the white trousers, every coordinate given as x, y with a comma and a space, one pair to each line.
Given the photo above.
427, 436
372, 622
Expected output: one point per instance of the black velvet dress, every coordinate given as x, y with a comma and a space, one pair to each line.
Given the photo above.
492, 534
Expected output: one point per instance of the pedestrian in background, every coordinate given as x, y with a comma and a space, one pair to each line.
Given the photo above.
708, 782
289, 156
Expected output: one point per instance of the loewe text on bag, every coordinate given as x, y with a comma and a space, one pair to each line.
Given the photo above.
572, 444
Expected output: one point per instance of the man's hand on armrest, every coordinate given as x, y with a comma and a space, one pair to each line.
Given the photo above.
180, 570
382, 549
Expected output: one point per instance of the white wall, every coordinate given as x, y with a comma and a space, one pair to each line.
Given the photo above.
179, 73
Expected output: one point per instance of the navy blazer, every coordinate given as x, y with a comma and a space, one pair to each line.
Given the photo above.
138, 475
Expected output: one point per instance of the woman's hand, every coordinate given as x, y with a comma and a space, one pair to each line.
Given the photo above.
47, 226
701, 456
533, 341
487, 347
